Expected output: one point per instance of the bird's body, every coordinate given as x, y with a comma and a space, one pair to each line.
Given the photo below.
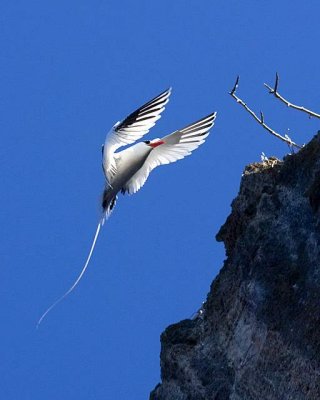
126, 171
128, 163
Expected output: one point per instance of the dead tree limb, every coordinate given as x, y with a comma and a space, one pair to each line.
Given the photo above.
260, 120
276, 94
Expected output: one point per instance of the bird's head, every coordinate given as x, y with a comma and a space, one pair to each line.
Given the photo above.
154, 143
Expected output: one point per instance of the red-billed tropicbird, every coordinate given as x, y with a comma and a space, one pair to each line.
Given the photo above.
126, 171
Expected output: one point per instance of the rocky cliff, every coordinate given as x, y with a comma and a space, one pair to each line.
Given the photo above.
258, 334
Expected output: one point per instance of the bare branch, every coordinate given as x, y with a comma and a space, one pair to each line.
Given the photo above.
261, 120
276, 83
289, 143
276, 94
235, 87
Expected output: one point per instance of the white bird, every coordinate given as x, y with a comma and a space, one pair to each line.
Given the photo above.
126, 171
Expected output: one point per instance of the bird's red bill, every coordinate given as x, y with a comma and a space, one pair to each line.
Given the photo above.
156, 144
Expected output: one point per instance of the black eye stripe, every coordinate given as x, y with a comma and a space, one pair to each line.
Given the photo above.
147, 142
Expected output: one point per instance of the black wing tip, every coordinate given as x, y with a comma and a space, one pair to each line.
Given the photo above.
210, 117
165, 94
210, 120
213, 115
168, 90
157, 101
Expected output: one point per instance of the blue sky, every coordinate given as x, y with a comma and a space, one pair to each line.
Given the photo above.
69, 71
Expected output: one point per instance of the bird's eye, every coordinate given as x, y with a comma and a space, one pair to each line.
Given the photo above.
147, 142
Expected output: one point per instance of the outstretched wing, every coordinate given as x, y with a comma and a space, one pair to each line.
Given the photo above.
176, 146
131, 129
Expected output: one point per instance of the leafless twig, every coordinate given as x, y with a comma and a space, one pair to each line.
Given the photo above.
276, 94
261, 119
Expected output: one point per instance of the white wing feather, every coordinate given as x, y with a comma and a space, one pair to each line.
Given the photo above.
132, 128
177, 145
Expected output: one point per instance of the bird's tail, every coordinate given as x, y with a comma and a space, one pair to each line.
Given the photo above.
109, 199
101, 222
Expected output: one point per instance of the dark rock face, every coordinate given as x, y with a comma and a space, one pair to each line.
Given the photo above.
258, 334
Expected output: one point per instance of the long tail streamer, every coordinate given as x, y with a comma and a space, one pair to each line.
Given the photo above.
100, 224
